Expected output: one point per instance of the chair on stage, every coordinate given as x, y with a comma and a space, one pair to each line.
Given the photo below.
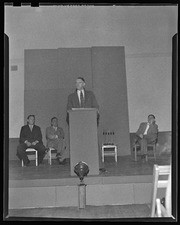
109, 148
51, 154
33, 155
152, 146
157, 209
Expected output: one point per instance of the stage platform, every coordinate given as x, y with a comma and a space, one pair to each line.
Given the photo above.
124, 182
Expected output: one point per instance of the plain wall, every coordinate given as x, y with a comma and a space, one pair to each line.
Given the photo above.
145, 31
110, 87
149, 89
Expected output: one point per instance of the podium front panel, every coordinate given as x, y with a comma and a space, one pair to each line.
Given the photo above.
84, 139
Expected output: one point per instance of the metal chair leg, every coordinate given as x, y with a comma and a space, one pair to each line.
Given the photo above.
146, 157
116, 154
50, 161
154, 150
135, 153
102, 154
36, 158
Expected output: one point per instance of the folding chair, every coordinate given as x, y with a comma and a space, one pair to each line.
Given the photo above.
158, 171
153, 146
109, 148
32, 157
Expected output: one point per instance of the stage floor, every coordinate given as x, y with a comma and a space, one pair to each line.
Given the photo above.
90, 212
126, 166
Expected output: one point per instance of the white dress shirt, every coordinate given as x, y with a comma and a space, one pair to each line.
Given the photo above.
31, 127
147, 127
79, 92
55, 128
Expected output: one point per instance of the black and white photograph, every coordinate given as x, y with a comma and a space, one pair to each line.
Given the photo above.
91, 112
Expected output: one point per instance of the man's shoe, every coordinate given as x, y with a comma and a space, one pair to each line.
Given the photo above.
27, 164
46, 150
102, 170
58, 155
144, 158
58, 158
62, 162
40, 162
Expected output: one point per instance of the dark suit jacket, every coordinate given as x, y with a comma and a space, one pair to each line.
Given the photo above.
151, 133
31, 136
90, 102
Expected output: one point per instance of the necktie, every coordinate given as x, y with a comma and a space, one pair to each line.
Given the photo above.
31, 127
82, 99
145, 133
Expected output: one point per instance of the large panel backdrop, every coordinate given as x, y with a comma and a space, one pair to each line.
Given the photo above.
50, 76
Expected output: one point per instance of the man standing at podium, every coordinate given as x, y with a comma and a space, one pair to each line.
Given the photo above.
85, 141
81, 98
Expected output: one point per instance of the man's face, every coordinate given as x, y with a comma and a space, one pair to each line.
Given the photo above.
80, 84
54, 122
151, 119
31, 120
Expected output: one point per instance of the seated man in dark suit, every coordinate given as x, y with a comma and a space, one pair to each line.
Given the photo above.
55, 139
30, 137
147, 134
82, 98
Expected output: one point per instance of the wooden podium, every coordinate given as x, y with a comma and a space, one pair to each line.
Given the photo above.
84, 139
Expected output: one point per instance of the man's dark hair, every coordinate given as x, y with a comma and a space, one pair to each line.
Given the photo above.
151, 115
30, 116
54, 118
81, 78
